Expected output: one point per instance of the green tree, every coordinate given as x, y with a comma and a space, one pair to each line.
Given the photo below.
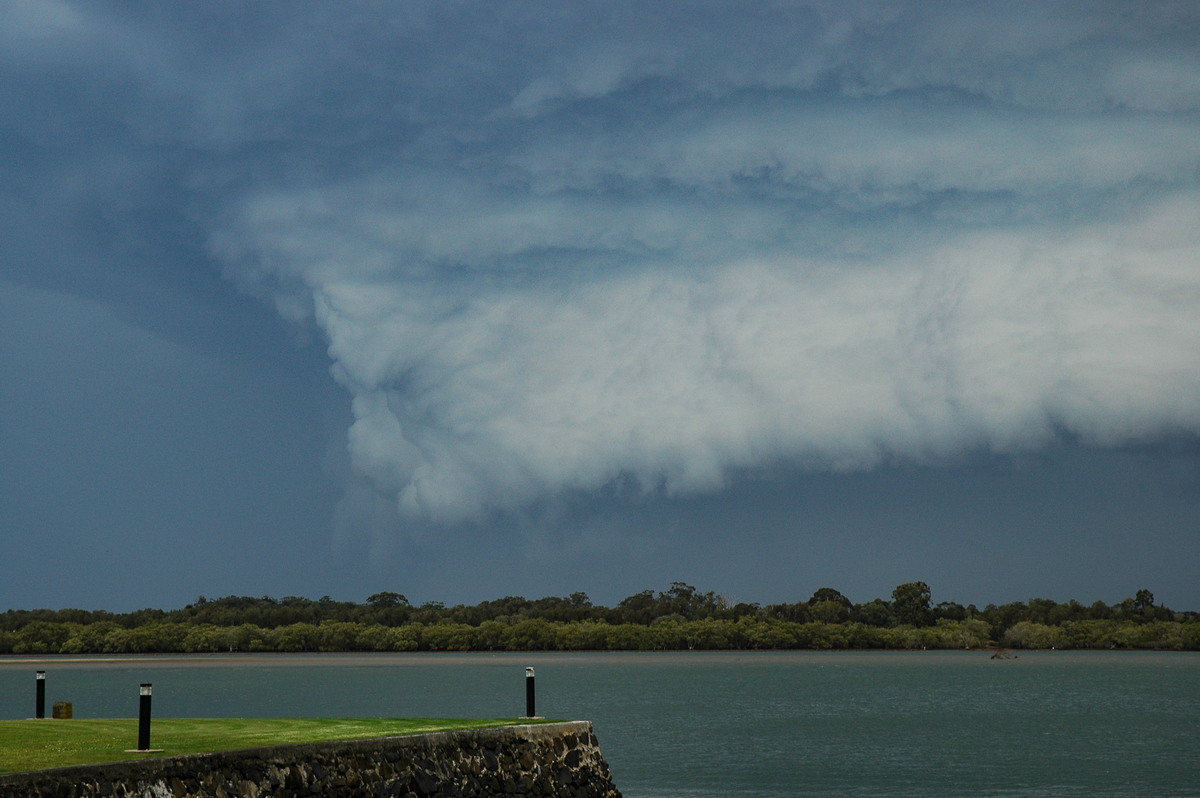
490, 636
861, 635
1005, 615
294, 637
874, 613
829, 606
829, 594
683, 599
910, 603
205, 637
797, 613
640, 608
1091, 633
245, 637
629, 637
89, 639
448, 637
709, 634
971, 633
950, 611
42, 637
1028, 634
430, 612
386, 599
829, 612
338, 636
532, 634
410, 637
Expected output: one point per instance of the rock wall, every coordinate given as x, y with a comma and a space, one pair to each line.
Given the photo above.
555, 759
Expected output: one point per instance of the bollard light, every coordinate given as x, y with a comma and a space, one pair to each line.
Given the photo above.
40, 703
144, 719
529, 694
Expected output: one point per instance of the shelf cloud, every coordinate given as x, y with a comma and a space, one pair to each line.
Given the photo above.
671, 248
565, 247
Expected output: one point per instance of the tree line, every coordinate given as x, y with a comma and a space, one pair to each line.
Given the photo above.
679, 618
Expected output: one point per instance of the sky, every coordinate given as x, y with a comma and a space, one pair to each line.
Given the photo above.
466, 300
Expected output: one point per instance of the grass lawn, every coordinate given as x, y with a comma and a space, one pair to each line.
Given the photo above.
39, 744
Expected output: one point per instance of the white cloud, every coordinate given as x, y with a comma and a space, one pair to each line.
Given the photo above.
475, 394
684, 252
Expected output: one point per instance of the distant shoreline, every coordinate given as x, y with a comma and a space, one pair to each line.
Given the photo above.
507, 658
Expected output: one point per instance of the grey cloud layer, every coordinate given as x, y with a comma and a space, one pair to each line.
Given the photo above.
482, 392
557, 246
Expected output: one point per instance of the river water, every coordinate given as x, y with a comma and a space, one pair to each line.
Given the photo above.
758, 725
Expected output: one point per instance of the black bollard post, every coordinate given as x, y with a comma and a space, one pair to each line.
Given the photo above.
144, 719
529, 696
40, 704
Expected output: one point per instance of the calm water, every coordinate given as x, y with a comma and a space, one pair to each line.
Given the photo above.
764, 725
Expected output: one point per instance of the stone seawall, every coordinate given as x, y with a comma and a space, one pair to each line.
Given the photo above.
554, 759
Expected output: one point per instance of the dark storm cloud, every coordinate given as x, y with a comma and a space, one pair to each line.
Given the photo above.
554, 247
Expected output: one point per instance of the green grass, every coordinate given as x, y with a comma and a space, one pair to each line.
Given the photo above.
39, 744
